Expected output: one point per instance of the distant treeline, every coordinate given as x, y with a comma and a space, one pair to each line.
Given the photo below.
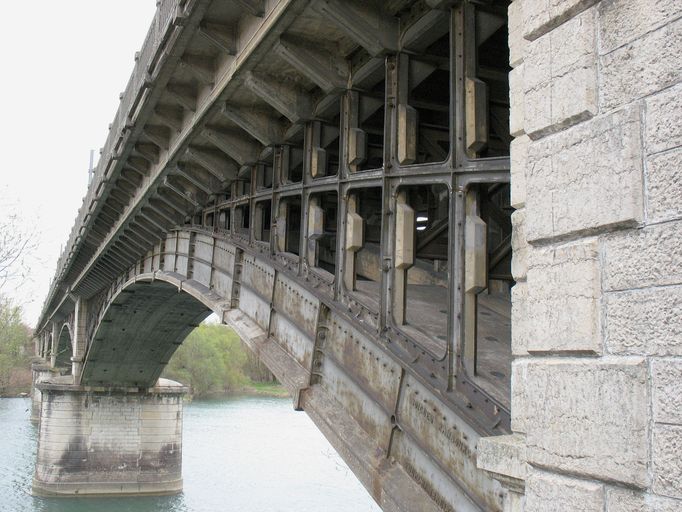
214, 361
16, 349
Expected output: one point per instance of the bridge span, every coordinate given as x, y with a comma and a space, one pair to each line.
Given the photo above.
427, 218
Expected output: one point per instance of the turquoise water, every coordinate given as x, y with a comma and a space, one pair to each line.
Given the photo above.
249, 454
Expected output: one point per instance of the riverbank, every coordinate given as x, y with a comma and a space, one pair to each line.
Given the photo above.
270, 389
15, 393
17, 383
260, 389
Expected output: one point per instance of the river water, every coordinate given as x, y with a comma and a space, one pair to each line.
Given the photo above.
246, 454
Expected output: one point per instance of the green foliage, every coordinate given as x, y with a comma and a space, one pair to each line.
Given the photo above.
15, 343
256, 370
211, 360
270, 388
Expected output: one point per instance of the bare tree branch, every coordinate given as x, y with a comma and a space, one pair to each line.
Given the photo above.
16, 244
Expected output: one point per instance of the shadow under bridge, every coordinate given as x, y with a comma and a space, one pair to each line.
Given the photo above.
139, 331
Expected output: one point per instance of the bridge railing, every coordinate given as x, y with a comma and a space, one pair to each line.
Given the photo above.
140, 79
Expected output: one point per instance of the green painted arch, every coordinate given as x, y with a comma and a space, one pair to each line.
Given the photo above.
64, 349
142, 326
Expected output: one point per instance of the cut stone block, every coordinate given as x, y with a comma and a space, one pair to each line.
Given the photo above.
623, 500
645, 322
519, 398
643, 257
519, 158
623, 21
560, 77
519, 264
517, 43
587, 177
547, 491
663, 129
666, 376
541, 16
503, 455
643, 67
664, 186
563, 298
667, 463
520, 320
589, 417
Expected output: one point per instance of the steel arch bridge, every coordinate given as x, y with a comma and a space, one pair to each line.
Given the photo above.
332, 180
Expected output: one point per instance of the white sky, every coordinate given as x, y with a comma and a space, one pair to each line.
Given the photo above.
63, 67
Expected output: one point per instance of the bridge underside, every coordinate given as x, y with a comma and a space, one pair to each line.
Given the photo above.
389, 423
143, 326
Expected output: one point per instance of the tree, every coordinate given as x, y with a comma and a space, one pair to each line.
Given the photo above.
256, 370
210, 361
15, 344
16, 244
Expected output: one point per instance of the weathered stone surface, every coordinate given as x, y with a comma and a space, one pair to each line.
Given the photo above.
574, 96
563, 293
547, 491
516, 115
109, 442
517, 43
663, 114
519, 336
519, 399
560, 77
519, 266
586, 177
664, 186
541, 16
666, 375
645, 322
643, 257
573, 43
537, 109
622, 500
514, 502
667, 463
642, 67
504, 455
519, 158
588, 417
622, 21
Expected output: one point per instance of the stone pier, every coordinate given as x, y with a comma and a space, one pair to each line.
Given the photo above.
97, 441
40, 371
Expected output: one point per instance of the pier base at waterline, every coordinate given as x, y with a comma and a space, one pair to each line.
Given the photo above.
99, 441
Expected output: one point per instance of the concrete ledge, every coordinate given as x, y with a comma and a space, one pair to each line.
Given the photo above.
91, 489
64, 383
505, 458
41, 366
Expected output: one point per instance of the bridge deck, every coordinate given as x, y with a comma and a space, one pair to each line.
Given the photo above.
429, 307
